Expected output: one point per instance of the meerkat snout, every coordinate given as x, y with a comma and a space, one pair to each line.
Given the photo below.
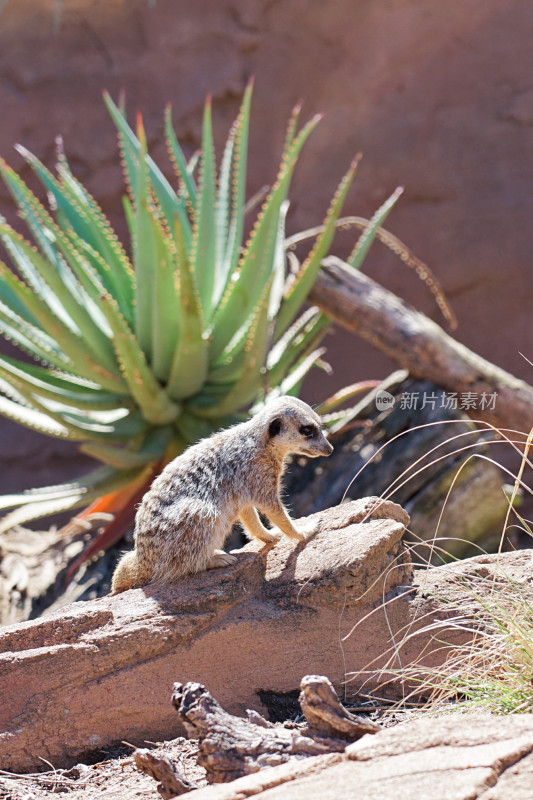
316, 443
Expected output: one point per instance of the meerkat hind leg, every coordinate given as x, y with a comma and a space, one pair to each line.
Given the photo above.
250, 519
220, 559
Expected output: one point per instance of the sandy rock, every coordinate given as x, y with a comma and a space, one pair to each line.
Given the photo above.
98, 672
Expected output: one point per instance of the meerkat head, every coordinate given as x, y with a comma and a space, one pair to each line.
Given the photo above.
293, 427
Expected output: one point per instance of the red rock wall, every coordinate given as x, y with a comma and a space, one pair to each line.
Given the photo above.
438, 96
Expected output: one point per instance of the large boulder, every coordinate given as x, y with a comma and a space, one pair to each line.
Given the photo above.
96, 672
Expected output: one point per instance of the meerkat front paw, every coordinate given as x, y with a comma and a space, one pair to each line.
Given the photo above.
307, 531
221, 559
272, 535
296, 535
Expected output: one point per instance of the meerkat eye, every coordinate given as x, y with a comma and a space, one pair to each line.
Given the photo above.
308, 430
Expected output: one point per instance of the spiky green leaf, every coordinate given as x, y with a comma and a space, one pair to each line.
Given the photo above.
167, 302
153, 402
203, 250
255, 267
68, 391
189, 366
304, 280
30, 418
183, 169
144, 250
364, 243
74, 496
291, 383
171, 204
232, 184
76, 208
298, 341
152, 449
71, 296
79, 357
253, 376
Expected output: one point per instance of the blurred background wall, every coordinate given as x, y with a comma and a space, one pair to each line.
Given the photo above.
437, 95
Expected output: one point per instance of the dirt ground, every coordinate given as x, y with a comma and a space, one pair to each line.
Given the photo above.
114, 778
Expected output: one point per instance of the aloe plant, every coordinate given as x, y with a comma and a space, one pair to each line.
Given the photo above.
138, 355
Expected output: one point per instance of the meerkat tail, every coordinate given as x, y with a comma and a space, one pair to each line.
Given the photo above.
127, 574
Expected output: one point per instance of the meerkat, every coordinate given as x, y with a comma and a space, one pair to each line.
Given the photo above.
185, 517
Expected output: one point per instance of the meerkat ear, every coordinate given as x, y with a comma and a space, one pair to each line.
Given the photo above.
274, 428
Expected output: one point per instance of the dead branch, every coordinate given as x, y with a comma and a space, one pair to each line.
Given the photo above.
325, 714
231, 747
171, 782
419, 345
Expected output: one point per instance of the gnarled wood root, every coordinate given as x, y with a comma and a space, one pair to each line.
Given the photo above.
231, 747
171, 782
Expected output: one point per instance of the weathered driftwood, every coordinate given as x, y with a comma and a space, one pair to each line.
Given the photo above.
325, 714
418, 344
230, 747
168, 774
